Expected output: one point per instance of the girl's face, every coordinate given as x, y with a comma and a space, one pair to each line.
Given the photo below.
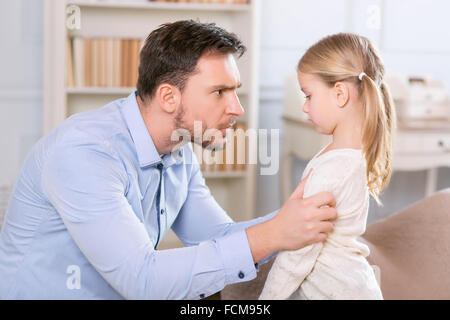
320, 102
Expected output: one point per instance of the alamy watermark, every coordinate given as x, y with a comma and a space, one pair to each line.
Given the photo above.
73, 18
373, 20
74, 280
241, 147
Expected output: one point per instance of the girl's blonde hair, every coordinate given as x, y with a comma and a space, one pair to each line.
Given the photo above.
342, 57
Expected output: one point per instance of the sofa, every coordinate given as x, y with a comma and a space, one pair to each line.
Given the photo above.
410, 248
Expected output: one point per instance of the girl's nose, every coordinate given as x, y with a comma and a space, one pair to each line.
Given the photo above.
305, 108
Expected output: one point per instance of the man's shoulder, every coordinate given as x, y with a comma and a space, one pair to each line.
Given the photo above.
95, 126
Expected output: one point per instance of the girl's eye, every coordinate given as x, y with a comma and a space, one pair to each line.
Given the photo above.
307, 97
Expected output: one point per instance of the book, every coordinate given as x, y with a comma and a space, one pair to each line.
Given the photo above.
102, 61
229, 151
87, 62
109, 58
134, 62
218, 160
241, 147
70, 82
94, 63
124, 62
116, 62
78, 61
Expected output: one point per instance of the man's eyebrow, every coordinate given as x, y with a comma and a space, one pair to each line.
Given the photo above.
225, 87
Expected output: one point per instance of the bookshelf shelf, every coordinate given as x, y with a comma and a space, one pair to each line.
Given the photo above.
130, 21
112, 91
224, 174
100, 90
150, 5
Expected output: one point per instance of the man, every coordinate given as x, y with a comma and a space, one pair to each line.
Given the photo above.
97, 194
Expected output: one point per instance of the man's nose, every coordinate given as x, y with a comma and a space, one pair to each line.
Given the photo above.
234, 107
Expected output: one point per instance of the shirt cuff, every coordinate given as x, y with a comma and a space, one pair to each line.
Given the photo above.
266, 259
236, 257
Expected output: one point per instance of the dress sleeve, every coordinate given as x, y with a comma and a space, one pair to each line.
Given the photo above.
292, 267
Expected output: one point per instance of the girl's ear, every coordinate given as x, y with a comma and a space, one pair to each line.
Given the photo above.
341, 94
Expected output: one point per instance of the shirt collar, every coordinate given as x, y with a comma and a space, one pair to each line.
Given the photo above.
145, 147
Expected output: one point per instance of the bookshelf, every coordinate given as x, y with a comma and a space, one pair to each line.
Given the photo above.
164, 5
234, 190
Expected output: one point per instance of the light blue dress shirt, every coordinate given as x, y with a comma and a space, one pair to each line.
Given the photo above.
93, 201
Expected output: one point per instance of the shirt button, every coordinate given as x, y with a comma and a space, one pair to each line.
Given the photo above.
202, 296
241, 275
162, 211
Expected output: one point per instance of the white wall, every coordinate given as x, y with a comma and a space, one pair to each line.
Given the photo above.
412, 38
21, 54
21, 58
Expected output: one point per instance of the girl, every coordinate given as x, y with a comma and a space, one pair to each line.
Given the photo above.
346, 97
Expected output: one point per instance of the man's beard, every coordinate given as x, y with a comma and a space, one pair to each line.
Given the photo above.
212, 140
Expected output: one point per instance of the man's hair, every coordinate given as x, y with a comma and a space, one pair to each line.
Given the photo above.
171, 52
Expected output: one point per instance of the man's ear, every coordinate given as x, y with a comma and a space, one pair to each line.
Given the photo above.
341, 93
169, 97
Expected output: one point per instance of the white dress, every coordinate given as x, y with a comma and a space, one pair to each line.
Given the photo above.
336, 268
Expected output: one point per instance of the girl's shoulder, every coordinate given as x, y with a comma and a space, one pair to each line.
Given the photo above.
340, 161
338, 171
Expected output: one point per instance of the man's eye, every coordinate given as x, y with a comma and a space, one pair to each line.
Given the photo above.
218, 92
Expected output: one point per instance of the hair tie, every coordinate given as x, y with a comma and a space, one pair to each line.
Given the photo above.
361, 75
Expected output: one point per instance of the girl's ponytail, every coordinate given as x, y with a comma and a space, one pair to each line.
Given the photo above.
378, 130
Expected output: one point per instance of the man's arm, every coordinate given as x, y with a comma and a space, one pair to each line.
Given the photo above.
86, 183
298, 223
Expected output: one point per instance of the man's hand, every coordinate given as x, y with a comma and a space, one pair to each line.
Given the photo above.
299, 222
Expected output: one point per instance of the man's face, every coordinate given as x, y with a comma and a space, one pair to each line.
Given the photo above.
209, 98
